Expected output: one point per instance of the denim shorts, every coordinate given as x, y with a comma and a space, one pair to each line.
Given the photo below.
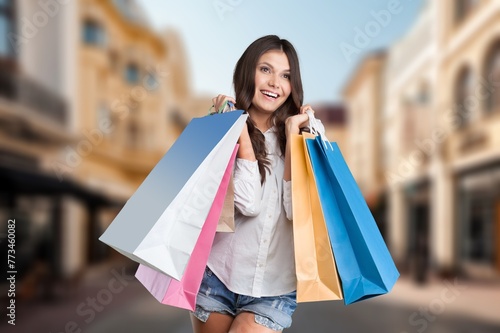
273, 312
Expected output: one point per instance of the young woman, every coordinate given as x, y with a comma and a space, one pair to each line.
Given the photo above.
249, 283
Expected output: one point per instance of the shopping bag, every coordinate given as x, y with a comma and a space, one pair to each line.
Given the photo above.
317, 278
160, 224
183, 293
226, 220
364, 263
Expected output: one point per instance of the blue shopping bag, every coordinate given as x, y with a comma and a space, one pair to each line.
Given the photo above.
160, 224
364, 263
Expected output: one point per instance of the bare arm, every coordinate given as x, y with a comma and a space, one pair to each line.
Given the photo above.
292, 126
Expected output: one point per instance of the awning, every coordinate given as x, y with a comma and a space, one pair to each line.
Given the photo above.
35, 182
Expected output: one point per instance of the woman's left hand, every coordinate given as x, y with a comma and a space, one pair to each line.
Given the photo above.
294, 123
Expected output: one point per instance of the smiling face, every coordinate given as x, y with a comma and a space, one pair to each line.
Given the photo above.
272, 82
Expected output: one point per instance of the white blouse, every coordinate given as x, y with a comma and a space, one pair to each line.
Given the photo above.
258, 258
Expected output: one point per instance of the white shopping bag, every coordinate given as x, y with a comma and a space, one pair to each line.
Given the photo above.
160, 224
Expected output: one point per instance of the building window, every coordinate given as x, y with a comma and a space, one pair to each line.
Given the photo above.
133, 130
132, 73
151, 82
464, 96
133, 134
114, 59
104, 118
492, 74
93, 33
424, 95
125, 7
478, 218
464, 8
129, 9
7, 28
410, 120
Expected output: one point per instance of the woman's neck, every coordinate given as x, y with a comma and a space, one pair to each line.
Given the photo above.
262, 120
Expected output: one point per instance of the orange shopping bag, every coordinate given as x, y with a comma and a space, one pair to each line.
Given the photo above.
317, 278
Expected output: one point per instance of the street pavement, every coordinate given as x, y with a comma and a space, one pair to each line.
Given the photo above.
111, 300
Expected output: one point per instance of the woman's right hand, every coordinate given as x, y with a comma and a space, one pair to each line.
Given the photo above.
246, 150
219, 101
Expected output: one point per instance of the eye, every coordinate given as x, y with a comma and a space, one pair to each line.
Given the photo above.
265, 69
286, 76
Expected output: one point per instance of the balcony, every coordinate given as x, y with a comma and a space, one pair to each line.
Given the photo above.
33, 96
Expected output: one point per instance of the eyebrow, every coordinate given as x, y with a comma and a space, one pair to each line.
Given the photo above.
268, 64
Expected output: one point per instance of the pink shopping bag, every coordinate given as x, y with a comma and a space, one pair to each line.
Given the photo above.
183, 293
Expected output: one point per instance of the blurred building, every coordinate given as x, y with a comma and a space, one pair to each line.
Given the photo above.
470, 64
91, 97
410, 77
364, 96
334, 118
435, 124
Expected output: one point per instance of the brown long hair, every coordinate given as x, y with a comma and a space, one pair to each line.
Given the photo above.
244, 86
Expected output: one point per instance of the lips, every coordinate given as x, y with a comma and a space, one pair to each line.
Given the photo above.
270, 94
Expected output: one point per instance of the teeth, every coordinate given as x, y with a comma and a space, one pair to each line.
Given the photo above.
270, 94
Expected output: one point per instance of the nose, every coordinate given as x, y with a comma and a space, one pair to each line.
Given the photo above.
274, 82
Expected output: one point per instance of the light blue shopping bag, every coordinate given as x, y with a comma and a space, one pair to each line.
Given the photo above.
160, 224
364, 263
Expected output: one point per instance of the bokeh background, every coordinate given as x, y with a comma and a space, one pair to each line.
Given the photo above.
94, 92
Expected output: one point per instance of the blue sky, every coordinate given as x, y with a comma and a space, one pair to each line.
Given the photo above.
330, 37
